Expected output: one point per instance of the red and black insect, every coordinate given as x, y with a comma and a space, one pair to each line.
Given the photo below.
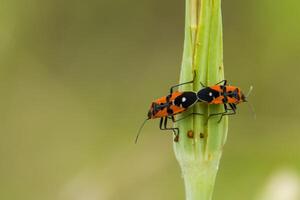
166, 107
223, 94
177, 102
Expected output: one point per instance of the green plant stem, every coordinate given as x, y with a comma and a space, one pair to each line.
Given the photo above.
201, 141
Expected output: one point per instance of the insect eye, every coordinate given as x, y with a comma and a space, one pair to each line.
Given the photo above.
183, 99
210, 94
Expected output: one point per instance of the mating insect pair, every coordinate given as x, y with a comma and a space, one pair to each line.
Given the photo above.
177, 102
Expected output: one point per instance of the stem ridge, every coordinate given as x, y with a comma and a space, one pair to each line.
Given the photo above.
199, 156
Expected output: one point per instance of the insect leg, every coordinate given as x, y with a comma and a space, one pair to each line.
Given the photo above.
176, 138
202, 84
173, 129
233, 108
220, 113
163, 125
160, 123
223, 81
225, 113
174, 86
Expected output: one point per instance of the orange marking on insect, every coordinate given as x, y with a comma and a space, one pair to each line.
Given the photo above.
177, 102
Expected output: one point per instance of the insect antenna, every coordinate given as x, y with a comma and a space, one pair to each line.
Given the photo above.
249, 92
140, 129
251, 107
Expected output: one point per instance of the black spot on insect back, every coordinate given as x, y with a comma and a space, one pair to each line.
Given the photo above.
186, 99
207, 94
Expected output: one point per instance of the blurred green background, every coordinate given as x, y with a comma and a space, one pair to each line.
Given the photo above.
77, 78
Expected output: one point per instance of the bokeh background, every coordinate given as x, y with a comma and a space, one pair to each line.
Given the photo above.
77, 78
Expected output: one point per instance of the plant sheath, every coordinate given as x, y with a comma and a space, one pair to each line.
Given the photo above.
201, 141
